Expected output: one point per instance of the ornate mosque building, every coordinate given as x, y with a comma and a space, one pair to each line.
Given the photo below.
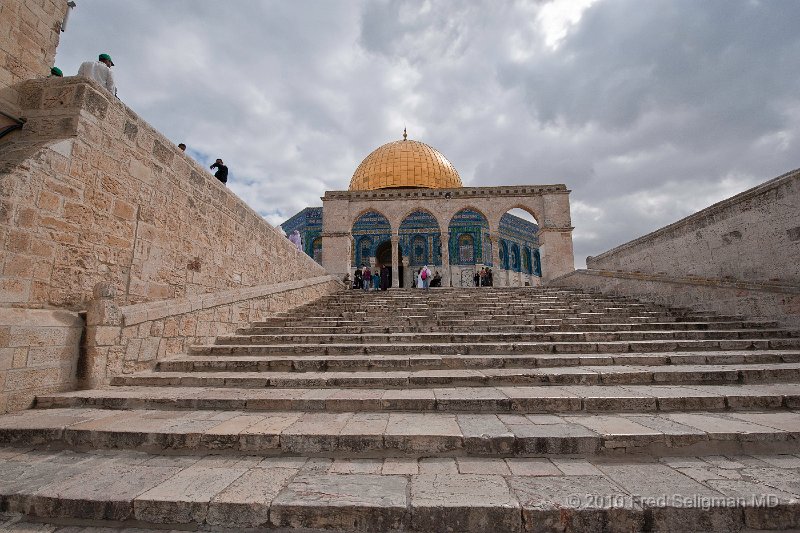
406, 207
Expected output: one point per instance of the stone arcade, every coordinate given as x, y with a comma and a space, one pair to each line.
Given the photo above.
406, 208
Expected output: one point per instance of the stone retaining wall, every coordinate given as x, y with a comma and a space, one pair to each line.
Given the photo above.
39, 351
122, 340
780, 302
91, 193
29, 34
753, 236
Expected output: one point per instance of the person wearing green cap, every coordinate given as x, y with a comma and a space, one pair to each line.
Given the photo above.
55, 72
100, 71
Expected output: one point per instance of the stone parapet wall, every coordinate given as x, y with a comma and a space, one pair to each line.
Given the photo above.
29, 34
753, 236
772, 301
126, 339
39, 350
92, 193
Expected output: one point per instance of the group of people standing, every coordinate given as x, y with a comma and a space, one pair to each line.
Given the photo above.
483, 277
372, 280
381, 278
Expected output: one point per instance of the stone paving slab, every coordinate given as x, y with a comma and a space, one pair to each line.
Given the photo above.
533, 494
408, 432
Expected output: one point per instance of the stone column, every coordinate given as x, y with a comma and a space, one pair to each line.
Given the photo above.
102, 358
497, 278
395, 262
445, 240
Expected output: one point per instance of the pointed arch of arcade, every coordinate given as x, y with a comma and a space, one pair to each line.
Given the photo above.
469, 225
420, 238
369, 230
517, 254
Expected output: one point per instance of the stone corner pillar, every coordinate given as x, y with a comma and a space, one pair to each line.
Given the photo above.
103, 334
336, 253
556, 255
395, 261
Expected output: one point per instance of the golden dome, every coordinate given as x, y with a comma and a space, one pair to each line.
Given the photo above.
405, 164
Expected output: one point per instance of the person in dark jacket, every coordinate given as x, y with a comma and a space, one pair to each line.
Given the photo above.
386, 277
222, 171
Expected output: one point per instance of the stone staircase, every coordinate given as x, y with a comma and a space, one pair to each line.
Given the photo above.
441, 410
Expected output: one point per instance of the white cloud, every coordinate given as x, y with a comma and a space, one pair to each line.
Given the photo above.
557, 17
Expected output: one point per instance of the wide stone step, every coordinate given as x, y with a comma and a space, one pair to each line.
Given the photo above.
504, 310
570, 375
490, 326
480, 495
499, 348
363, 434
306, 363
462, 337
511, 399
425, 321
424, 318
470, 309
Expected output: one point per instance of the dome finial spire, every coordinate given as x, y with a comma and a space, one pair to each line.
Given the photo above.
405, 135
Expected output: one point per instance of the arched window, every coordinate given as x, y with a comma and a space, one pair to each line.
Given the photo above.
504, 255
466, 248
364, 251
527, 267
515, 262
467, 228
368, 229
419, 250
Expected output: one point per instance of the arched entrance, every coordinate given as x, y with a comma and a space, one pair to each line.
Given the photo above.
368, 230
470, 248
383, 257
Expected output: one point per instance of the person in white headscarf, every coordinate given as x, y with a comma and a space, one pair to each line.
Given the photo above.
426, 276
296, 239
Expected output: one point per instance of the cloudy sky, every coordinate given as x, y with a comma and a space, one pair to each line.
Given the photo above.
647, 109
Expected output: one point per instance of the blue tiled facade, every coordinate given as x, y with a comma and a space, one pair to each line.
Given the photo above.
369, 231
309, 223
420, 239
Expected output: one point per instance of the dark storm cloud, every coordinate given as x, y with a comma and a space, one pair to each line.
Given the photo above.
648, 111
